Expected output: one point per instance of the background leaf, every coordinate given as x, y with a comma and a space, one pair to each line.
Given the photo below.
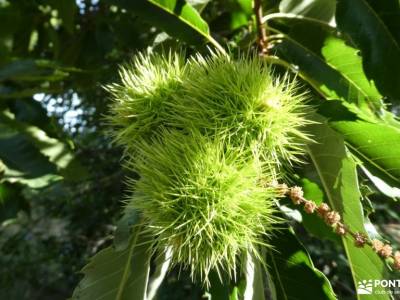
338, 175
315, 225
292, 272
376, 144
326, 62
379, 47
66, 12
22, 160
29, 138
177, 17
319, 9
382, 186
32, 70
113, 275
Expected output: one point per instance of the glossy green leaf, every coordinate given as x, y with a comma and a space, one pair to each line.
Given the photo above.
319, 9
315, 225
378, 45
338, 175
347, 61
382, 186
376, 144
330, 65
292, 273
176, 17
199, 5
117, 275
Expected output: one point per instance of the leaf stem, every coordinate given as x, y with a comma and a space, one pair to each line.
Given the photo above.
128, 265
261, 30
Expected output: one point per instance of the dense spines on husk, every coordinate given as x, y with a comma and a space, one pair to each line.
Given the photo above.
204, 199
205, 136
140, 101
242, 98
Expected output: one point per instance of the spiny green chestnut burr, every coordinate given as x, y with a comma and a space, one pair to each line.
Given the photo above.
140, 101
204, 199
205, 136
242, 99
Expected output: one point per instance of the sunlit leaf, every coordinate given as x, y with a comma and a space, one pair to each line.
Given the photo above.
337, 172
177, 18
376, 144
325, 61
319, 9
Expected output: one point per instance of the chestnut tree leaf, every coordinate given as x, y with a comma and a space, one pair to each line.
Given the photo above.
338, 175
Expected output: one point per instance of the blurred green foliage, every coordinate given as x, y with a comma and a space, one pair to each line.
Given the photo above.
61, 184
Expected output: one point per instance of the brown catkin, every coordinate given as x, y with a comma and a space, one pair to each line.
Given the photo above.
340, 229
386, 251
322, 209
309, 207
332, 218
377, 245
396, 263
359, 239
296, 194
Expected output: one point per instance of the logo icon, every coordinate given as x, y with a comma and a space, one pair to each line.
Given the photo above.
364, 287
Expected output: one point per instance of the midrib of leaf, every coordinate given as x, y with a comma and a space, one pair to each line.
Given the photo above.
355, 64
322, 24
278, 277
126, 272
316, 85
207, 34
349, 79
371, 161
100, 279
329, 195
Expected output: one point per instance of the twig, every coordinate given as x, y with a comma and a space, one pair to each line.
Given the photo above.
261, 30
333, 219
